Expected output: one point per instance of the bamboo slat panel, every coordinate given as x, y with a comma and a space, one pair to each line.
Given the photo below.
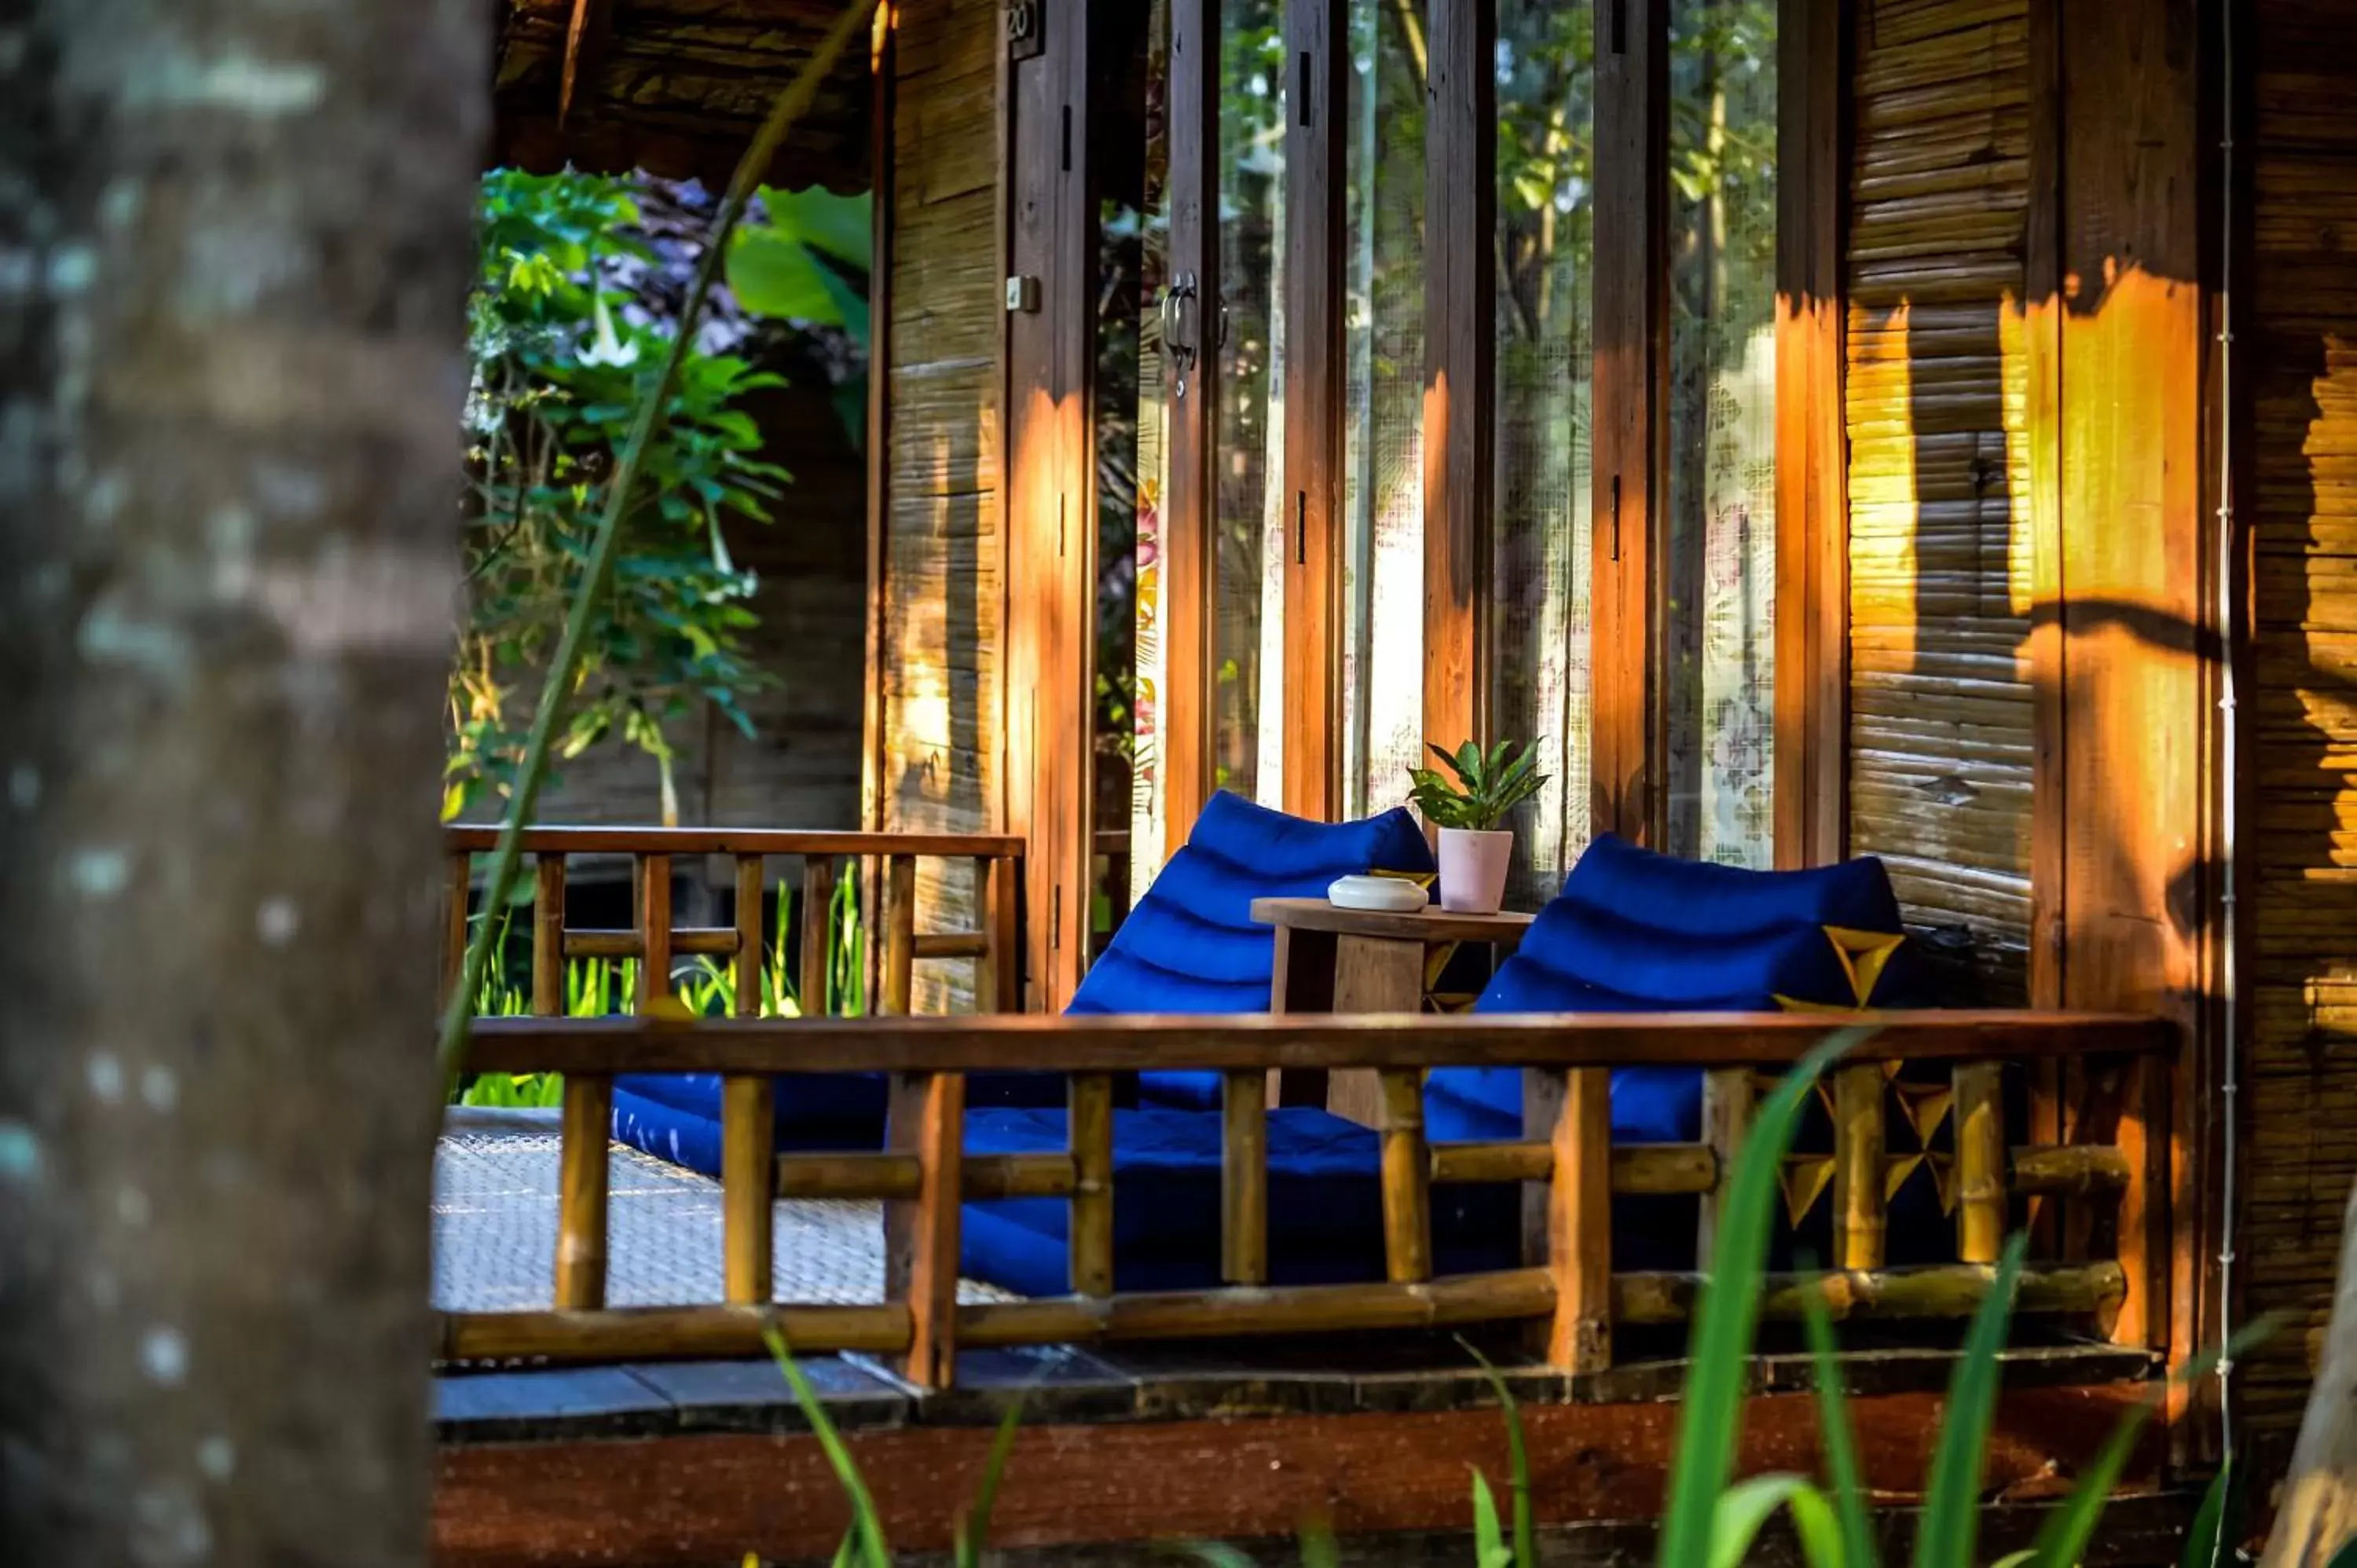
1941, 709
937, 753
2298, 496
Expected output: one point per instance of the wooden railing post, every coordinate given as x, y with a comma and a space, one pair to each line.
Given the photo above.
1579, 1224
1980, 1162
1406, 1177
1091, 1128
749, 1115
1243, 1178
457, 884
818, 912
1728, 1094
548, 935
927, 1118
581, 1191
1859, 1167
899, 927
655, 930
1000, 987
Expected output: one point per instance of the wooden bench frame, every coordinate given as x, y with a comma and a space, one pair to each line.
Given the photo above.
2114, 1157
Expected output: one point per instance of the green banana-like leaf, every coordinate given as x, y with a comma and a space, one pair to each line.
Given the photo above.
1950, 1522
1842, 1471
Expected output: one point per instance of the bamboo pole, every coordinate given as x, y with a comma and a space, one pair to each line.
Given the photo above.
1091, 1128
748, 1120
1980, 1161
899, 1176
719, 942
457, 884
654, 931
1859, 1167
1579, 1224
928, 1119
1504, 1296
588, 1119
2070, 1169
818, 905
1406, 1179
1728, 1095
1005, 964
899, 931
652, 1333
1636, 1167
1944, 1291
548, 935
1243, 1178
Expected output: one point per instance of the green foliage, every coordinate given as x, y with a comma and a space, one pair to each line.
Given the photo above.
808, 263
1486, 788
558, 351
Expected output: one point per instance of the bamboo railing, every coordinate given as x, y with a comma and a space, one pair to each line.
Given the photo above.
748, 1103
2113, 1170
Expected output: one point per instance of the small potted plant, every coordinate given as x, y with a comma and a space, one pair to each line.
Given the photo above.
1474, 851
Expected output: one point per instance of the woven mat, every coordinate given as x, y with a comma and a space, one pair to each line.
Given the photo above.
495, 1232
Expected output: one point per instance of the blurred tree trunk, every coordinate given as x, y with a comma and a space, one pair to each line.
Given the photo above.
2320, 1498
234, 241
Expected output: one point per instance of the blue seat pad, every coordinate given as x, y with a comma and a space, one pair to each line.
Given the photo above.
1701, 899
676, 1116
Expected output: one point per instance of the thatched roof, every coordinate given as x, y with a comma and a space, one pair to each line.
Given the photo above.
674, 87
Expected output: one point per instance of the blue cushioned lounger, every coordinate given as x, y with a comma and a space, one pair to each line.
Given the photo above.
1189, 946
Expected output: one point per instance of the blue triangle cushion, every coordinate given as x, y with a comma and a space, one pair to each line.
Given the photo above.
1190, 945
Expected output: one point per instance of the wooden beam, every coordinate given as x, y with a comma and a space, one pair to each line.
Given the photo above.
1090, 1127
1630, 328
922, 1235
715, 1497
1460, 375
1406, 1179
1243, 1178
685, 842
1812, 695
1579, 1225
1317, 89
585, 32
1020, 1042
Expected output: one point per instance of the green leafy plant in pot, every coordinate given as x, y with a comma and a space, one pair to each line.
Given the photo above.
1474, 849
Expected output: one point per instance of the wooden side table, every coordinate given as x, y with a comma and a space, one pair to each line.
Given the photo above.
1358, 961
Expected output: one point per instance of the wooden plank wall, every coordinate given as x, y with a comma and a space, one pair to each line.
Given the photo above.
1941, 703
2296, 495
935, 756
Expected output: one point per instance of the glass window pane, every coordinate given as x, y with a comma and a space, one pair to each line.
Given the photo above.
1719, 569
1539, 681
1383, 466
1248, 590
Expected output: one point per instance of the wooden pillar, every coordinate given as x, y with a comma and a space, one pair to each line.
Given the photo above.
1190, 526
927, 1118
1980, 1155
654, 931
818, 904
588, 1125
457, 883
1317, 89
899, 927
1631, 328
1727, 1096
1461, 289
548, 935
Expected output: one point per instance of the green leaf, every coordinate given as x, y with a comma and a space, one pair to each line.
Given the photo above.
1840, 1437
1711, 1414
1490, 1548
840, 226
2217, 1522
1950, 1522
1747, 1504
872, 1552
1518, 1458
974, 1527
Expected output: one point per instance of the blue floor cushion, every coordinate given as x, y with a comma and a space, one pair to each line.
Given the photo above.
676, 1116
1190, 945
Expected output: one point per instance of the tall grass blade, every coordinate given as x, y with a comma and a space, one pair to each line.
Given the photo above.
1842, 1470
1951, 1523
2063, 1540
1517, 1459
1746, 1506
974, 1525
1215, 1555
1490, 1548
2215, 1524
1319, 1548
872, 1552
1711, 1414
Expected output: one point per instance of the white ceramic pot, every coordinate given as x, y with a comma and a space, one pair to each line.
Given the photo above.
1473, 870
